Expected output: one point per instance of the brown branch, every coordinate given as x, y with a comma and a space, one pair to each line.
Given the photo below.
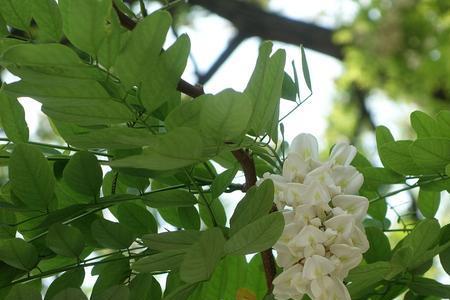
251, 20
242, 156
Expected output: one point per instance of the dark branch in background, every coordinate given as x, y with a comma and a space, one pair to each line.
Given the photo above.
251, 20
232, 45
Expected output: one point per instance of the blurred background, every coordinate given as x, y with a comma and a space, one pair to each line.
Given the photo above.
372, 62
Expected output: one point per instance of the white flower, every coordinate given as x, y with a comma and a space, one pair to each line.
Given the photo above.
347, 256
343, 154
359, 239
328, 288
285, 258
309, 236
317, 266
284, 286
343, 224
322, 176
295, 168
352, 204
348, 178
306, 146
313, 193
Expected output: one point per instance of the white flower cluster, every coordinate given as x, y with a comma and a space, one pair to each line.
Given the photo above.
323, 237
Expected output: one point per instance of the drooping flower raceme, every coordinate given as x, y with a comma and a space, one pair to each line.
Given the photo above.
323, 238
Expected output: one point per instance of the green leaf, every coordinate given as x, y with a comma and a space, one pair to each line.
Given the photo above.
222, 181
12, 119
264, 90
380, 249
83, 174
137, 218
70, 294
24, 292
364, 278
443, 121
142, 48
48, 18
383, 136
431, 153
444, 256
65, 240
83, 102
115, 292
374, 177
18, 253
428, 202
424, 125
175, 240
189, 217
112, 273
203, 256
160, 89
31, 178
181, 293
70, 279
424, 236
429, 287
256, 203
144, 286
289, 89
164, 261
178, 148
396, 156
47, 62
84, 22
170, 198
16, 13
112, 235
257, 236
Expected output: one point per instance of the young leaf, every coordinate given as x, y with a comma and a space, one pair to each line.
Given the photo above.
16, 13
396, 156
142, 48
48, 18
289, 89
178, 148
84, 22
383, 136
256, 203
31, 178
38, 62
203, 256
112, 235
19, 254
424, 125
145, 286
70, 294
222, 181
65, 240
164, 261
305, 69
264, 89
256, 236
379, 246
431, 153
70, 279
83, 174
175, 240
160, 89
137, 218
428, 202
12, 119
